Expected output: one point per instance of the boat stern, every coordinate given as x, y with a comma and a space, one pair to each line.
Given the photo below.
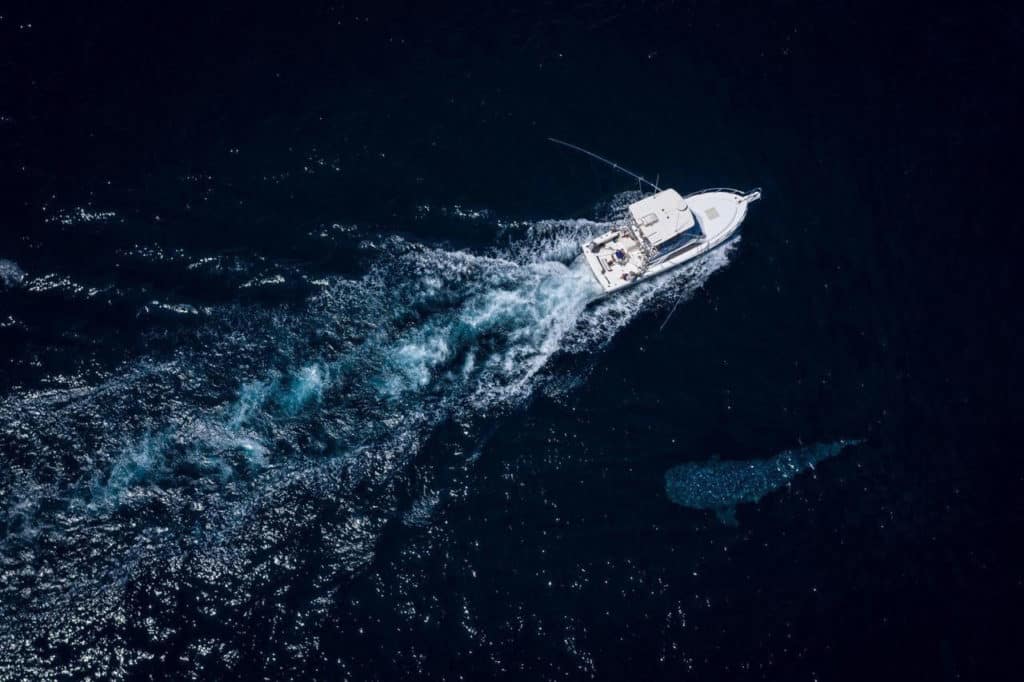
596, 270
615, 259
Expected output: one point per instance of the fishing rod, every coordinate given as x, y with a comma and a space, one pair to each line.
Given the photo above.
606, 161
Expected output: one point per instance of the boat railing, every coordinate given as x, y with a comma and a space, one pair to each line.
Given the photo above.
756, 190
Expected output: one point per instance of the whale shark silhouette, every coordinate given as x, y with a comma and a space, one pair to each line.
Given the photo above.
719, 485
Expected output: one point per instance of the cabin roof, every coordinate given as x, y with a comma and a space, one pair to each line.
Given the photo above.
661, 216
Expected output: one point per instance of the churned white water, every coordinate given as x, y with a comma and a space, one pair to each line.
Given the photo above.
215, 452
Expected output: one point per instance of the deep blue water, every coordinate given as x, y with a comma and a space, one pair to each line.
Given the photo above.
299, 379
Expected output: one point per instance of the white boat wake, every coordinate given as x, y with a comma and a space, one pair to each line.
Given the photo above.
267, 421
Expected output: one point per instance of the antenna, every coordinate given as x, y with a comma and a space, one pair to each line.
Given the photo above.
614, 165
671, 312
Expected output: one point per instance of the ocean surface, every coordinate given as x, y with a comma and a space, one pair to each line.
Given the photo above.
299, 378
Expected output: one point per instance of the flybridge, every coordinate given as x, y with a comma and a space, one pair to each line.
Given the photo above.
661, 216
664, 223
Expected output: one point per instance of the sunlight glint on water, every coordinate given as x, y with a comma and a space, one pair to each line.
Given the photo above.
373, 366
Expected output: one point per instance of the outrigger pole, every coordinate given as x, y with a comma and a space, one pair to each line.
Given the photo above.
604, 160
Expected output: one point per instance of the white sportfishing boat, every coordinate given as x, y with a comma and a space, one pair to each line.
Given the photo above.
663, 231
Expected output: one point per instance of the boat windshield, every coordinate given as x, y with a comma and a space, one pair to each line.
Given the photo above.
680, 241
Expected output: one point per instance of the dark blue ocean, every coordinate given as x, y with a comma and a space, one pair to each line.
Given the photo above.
299, 378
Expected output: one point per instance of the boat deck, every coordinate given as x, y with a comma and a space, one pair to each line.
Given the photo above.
618, 259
